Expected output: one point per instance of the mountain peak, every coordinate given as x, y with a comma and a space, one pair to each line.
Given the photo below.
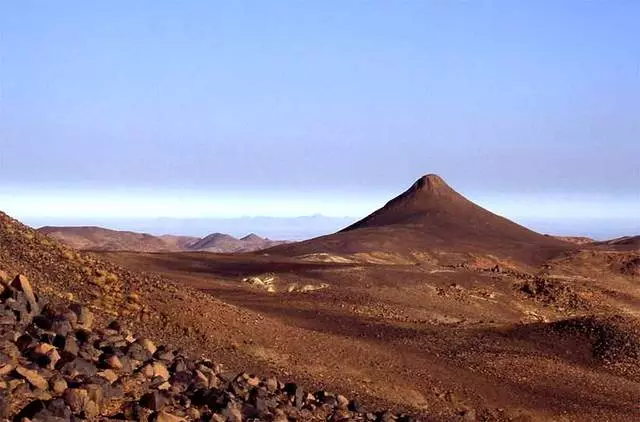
431, 183
252, 237
430, 179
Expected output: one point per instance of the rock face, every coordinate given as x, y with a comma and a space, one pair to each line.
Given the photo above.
54, 366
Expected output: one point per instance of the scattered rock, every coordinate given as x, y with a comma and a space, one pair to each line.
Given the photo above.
21, 283
57, 384
76, 398
147, 345
54, 367
33, 377
160, 370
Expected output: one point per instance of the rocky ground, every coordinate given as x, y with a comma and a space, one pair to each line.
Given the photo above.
56, 366
457, 336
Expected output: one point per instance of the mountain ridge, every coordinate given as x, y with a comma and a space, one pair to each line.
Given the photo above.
103, 239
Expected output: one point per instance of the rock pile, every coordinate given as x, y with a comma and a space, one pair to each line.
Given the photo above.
54, 366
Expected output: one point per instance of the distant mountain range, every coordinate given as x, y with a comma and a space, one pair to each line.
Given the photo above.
101, 239
290, 228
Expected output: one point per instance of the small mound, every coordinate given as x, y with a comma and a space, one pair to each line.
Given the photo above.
615, 339
552, 293
631, 267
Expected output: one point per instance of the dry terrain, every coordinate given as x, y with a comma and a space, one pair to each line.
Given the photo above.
432, 306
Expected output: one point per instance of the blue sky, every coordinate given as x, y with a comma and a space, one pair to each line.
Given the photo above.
209, 109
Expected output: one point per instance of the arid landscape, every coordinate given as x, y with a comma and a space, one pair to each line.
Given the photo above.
336, 211
432, 306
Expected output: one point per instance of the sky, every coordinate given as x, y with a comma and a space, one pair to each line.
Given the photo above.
212, 109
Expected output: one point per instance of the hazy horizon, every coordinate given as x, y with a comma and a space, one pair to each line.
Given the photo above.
204, 110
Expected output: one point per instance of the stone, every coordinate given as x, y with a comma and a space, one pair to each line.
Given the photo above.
109, 375
57, 384
21, 283
354, 406
91, 409
147, 345
232, 413
297, 392
71, 316
33, 377
85, 316
67, 344
25, 342
201, 380
115, 326
272, 384
160, 370
43, 348
6, 369
59, 409
137, 352
96, 394
53, 357
76, 398
164, 354
147, 370
61, 326
113, 362
343, 402
468, 415
154, 400
194, 414
34, 409
387, 417
77, 367
164, 386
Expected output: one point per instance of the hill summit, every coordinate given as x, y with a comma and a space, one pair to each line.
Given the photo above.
429, 194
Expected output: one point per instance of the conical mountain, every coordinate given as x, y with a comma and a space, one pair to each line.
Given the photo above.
428, 199
429, 216
437, 209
